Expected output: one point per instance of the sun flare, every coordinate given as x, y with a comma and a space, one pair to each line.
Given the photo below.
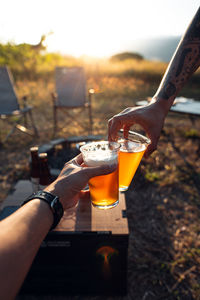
93, 28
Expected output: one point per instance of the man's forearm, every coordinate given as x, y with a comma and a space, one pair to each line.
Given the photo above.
184, 63
21, 235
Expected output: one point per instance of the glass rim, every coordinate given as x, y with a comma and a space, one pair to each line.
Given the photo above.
135, 137
116, 144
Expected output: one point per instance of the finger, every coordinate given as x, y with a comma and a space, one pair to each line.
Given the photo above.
83, 164
76, 160
79, 159
126, 130
84, 195
114, 125
125, 118
150, 149
110, 130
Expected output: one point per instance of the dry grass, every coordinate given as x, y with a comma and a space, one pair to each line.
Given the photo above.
163, 202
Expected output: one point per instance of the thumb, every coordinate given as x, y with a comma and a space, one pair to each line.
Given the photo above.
100, 170
84, 194
150, 149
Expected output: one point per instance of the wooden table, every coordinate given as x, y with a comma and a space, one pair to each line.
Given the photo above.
181, 105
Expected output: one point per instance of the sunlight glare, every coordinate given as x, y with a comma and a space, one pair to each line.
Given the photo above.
96, 28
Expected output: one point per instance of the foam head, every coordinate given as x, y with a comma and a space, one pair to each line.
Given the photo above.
100, 153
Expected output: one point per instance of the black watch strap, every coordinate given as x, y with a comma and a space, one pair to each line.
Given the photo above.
54, 204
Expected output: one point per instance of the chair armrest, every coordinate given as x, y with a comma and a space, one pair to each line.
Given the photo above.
54, 97
91, 92
26, 109
24, 98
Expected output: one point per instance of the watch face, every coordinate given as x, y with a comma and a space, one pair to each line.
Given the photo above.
54, 204
57, 206
60, 210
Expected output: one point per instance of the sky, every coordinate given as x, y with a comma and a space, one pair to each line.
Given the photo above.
92, 27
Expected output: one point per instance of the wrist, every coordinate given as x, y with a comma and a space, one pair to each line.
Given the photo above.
52, 190
161, 105
52, 201
44, 208
56, 189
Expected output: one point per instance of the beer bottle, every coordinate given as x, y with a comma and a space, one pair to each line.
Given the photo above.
34, 169
45, 176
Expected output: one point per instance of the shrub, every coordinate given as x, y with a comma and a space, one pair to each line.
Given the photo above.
126, 56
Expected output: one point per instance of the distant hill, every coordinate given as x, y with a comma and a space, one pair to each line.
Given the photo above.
155, 48
126, 55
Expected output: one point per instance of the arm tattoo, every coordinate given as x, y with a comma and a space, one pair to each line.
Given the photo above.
184, 63
168, 91
182, 59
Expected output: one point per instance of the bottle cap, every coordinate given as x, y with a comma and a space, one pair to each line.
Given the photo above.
43, 155
34, 149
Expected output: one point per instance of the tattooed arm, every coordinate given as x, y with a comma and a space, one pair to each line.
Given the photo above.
183, 64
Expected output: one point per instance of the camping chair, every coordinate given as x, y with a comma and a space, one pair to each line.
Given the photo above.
71, 95
10, 110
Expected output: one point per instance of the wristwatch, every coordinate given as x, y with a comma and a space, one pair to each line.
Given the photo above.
54, 204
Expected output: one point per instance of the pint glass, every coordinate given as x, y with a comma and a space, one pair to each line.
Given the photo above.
104, 189
131, 152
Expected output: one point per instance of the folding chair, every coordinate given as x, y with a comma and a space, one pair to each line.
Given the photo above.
10, 110
71, 95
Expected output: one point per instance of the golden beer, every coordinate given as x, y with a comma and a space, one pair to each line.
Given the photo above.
131, 152
104, 189
129, 161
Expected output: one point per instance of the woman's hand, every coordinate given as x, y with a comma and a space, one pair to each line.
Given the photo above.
150, 117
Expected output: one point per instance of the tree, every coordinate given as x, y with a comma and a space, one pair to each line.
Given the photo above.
126, 55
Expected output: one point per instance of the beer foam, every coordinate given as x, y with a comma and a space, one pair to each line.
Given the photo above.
100, 153
130, 146
100, 158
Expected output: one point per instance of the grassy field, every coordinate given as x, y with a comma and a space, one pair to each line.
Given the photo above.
163, 203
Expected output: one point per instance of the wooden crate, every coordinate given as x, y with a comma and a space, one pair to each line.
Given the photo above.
86, 253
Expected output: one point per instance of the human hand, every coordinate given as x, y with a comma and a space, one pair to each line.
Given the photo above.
150, 117
73, 178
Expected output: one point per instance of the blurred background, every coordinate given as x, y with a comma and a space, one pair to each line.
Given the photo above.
124, 47
98, 28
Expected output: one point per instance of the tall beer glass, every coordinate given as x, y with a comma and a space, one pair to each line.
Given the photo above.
104, 189
131, 152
